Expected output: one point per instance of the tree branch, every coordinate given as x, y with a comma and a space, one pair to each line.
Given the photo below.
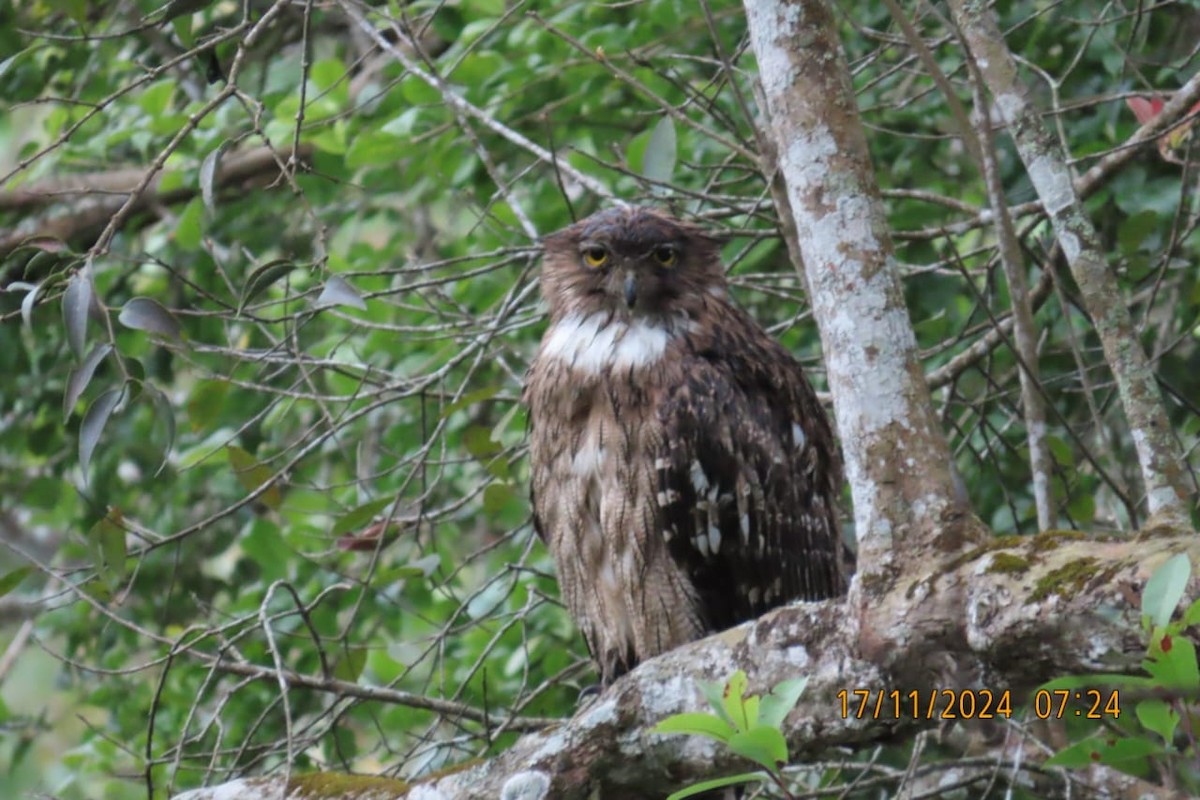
81, 224
875, 376
1159, 456
1005, 617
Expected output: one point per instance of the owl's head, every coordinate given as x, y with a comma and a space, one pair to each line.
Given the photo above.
630, 262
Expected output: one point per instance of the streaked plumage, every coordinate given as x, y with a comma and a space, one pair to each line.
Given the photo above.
685, 476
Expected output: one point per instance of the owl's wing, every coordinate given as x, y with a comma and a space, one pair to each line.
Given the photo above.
748, 480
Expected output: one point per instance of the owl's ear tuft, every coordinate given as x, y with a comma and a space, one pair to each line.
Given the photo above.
553, 240
563, 237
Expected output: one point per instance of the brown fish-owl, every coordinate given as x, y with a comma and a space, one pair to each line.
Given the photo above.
685, 476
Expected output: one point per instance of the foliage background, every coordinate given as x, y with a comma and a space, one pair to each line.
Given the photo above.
342, 262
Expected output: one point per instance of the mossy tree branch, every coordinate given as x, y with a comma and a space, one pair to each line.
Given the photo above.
1004, 617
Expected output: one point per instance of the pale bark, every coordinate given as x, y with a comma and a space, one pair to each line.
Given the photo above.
897, 461
1159, 456
979, 142
1041, 462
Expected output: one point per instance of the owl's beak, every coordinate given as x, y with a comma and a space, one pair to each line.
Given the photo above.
630, 290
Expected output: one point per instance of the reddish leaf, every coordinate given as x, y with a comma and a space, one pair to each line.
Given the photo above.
368, 538
1145, 109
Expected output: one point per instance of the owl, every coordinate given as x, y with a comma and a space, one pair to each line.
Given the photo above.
684, 475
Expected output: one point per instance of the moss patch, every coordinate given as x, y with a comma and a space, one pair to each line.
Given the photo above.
999, 543
1050, 540
345, 787
1008, 564
1065, 581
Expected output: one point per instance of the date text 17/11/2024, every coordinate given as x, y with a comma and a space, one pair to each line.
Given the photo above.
976, 704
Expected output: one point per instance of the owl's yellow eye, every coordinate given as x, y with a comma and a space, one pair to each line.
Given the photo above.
595, 256
665, 255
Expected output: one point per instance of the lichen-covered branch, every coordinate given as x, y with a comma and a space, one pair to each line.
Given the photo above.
882, 403
1024, 332
1159, 456
1005, 616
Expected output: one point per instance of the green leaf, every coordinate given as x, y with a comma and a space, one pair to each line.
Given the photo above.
1192, 615
373, 149
209, 168
156, 99
402, 572
252, 475
1172, 662
487, 8
481, 68
338, 292
166, 415
714, 693
11, 580
779, 701
485, 602
76, 9
478, 441
1083, 509
79, 378
351, 664
262, 278
1165, 589
1132, 749
658, 162
496, 496
1090, 681
750, 709
1061, 451
44, 493
1105, 749
145, 314
189, 226
1135, 229
206, 402
735, 688
107, 538
358, 517
761, 745
470, 399
1158, 716
330, 77
428, 564
183, 29
418, 92
717, 783
264, 546
76, 301
93, 424
696, 724
27, 302
178, 8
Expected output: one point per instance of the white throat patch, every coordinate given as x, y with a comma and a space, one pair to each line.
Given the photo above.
596, 342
